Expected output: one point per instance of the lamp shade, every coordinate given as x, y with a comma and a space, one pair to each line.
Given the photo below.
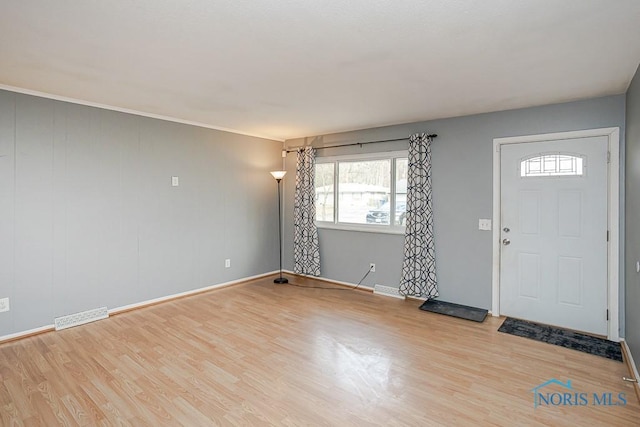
278, 174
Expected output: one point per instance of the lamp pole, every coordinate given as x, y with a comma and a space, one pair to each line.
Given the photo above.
278, 175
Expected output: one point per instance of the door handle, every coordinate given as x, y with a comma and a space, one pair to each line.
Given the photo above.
506, 242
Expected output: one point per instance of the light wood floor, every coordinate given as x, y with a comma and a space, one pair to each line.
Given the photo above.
266, 354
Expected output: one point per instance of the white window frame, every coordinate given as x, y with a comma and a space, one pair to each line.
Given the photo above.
583, 166
367, 228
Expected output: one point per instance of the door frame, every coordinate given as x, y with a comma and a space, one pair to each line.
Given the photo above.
613, 216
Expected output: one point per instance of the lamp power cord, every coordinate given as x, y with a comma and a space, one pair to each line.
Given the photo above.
352, 288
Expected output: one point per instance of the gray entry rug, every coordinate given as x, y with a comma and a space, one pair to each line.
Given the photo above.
455, 310
562, 337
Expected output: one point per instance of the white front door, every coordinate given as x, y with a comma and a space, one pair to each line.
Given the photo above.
553, 232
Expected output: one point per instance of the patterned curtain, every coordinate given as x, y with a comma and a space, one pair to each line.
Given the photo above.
306, 250
419, 266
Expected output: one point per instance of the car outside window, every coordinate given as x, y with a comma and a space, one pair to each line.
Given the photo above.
358, 192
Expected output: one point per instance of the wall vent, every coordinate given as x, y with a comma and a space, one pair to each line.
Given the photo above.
387, 291
81, 318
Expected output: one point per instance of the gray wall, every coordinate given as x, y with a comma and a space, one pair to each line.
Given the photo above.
88, 216
632, 237
462, 193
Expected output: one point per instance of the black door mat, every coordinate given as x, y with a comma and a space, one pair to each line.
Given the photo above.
455, 310
562, 337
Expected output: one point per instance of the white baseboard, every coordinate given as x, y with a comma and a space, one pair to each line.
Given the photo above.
337, 282
141, 304
27, 333
129, 307
632, 365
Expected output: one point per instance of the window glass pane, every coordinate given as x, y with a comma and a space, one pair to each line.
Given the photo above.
363, 191
324, 191
567, 164
402, 168
552, 165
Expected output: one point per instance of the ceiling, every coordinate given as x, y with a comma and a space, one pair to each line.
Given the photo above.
289, 68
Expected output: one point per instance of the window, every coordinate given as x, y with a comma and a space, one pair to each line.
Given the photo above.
358, 192
552, 165
324, 191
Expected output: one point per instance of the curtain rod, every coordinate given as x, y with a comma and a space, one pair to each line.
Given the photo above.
291, 150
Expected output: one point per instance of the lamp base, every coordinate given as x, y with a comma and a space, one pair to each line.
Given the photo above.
281, 280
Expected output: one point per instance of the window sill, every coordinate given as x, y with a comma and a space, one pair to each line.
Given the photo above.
361, 228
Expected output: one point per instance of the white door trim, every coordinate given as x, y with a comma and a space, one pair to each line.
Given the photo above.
613, 135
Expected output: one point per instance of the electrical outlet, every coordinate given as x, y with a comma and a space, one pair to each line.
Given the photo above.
175, 181
372, 267
484, 224
4, 305
227, 263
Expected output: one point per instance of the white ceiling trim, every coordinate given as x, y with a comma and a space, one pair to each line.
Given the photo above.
293, 69
130, 111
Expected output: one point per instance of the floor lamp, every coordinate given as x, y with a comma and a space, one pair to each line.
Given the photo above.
278, 175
